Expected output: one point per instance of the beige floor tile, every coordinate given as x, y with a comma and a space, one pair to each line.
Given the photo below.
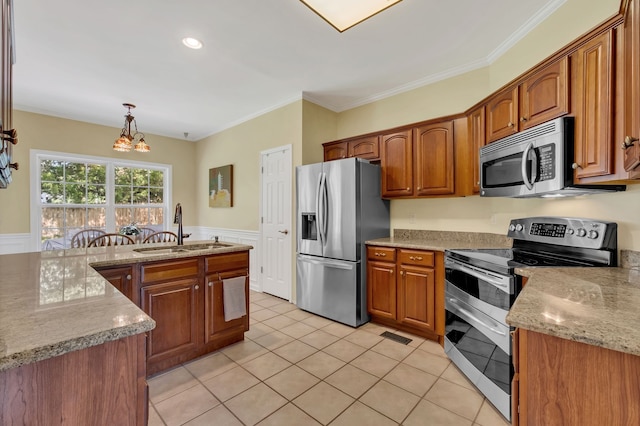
244, 351
186, 405
231, 383
298, 330
433, 348
255, 404
321, 364
374, 363
253, 321
323, 402
364, 338
411, 379
392, 349
283, 308
298, 314
344, 350
253, 308
154, 418
427, 362
489, 416
170, 383
319, 339
279, 322
360, 414
292, 382
264, 314
454, 375
431, 414
415, 342
338, 329
455, 398
289, 415
375, 328
317, 322
352, 381
268, 301
390, 400
218, 416
266, 365
274, 340
210, 366
295, 351
255, 295
258, 330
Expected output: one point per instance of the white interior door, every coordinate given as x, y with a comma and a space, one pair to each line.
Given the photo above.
276, 227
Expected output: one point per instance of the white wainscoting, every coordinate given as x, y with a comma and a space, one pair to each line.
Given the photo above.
15, 243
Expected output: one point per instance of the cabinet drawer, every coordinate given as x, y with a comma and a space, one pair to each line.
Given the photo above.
417, 257
385, 254
226, 262
169, 270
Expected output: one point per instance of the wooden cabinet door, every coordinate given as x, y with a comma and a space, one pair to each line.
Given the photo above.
416, 292
336, 152
176, 308
434, 159
397, 164
214, 305
502, 114
121, 278
592, 105
381, 289
367, 148
545, 95
632, 85
478, 137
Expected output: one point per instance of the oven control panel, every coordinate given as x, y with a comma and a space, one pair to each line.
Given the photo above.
574, 232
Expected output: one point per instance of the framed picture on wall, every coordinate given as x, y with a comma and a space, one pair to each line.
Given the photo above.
221, 186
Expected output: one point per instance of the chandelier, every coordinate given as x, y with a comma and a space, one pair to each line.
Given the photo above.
344, 14
126, 140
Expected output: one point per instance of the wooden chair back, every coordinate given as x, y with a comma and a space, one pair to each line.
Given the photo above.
145, 232
161, 237
111, 240
82, 238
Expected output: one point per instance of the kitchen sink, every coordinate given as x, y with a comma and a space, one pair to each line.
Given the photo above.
181, 249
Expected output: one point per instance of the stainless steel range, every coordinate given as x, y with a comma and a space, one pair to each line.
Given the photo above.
481, 286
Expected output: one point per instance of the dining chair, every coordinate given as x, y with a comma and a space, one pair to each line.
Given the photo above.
82, 238
111, 240
145, 232
161, 237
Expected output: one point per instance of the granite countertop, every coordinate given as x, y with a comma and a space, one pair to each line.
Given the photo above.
54, 302
597, 306
442, 240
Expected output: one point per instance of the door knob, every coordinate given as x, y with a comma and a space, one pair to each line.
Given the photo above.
285, 232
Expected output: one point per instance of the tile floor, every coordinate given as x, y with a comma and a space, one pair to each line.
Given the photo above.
295, 368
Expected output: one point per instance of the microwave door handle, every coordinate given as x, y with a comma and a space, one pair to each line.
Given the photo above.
534, 166
523, 166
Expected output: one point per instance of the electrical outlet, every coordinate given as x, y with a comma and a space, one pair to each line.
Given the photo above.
493, 219
412, 219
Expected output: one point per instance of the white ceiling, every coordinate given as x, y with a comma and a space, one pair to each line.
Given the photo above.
82, 59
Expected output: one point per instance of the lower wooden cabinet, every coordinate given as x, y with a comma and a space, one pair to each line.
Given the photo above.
121, 277
559, 382
402, 290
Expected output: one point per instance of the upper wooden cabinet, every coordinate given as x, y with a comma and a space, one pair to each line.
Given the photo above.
396, 155
434, 159
631, 66
365, 147
542, 96
477, 138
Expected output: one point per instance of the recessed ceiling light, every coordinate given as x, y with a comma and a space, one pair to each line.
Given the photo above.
344, 14
192, 43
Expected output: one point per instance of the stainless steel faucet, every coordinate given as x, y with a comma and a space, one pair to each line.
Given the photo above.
177, 218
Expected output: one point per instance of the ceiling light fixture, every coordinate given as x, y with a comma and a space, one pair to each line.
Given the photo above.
125, 142
192, 43
344, 14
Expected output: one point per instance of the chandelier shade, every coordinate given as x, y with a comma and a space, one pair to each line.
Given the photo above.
344, 14
128, 141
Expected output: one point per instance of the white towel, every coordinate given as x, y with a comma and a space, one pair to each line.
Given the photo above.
233, 296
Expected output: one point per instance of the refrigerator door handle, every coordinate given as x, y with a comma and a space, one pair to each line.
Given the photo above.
318, 209
326, 262
323, 211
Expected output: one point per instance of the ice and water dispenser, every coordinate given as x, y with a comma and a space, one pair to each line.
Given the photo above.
309, 228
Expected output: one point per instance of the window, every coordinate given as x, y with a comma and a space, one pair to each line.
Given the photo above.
73, 193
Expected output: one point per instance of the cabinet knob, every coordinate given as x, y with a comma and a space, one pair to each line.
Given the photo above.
576, 166
129, 276
196, 287
408, 189
391, 271
628, 142
210, 283
510, 124
381, 254
419, 188
402, 273
523, 119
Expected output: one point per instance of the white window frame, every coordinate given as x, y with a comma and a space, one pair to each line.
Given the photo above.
35, 158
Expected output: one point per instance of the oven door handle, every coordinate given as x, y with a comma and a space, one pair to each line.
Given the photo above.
481, 275
523, 166
473, 318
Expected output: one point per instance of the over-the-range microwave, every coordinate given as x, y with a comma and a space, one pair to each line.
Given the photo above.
536, 162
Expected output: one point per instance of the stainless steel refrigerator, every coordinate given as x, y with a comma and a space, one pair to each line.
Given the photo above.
338, 208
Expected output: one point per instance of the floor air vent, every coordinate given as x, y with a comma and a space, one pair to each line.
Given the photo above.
396, 337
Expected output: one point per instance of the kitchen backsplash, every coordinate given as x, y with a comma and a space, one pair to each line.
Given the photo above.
629, 259
493, 240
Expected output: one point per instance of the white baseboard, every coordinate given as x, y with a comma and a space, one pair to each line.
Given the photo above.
15, 243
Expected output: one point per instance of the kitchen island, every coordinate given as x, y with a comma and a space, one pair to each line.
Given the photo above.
71, 345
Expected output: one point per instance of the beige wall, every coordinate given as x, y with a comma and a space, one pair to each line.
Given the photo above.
44, 132
241, 146
319, 125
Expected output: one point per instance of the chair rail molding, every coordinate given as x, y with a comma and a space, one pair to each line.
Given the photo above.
15, 243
